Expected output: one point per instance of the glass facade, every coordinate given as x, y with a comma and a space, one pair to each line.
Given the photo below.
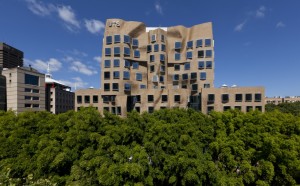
31, 79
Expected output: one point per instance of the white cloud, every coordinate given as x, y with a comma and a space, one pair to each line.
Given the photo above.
280, 24
75, 83
67, 14
158, 8
39, 8
98, 59
239, 27
260, 12
42, 66
78, 66
94, 26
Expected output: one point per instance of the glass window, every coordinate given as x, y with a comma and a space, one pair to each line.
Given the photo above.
116, 51
116, 74
207, 42
152, 58
126, 51
35, 91
79, 99
156, 48
258, 108
135, 42
225, 98
201, 64
200, 54
164, 98
210, 109
210, 98
206, 85
116, 62
248, 97
187, 66
115, 86
208, 53
117, 38
106, 63
35, 105
113, 110
176, 67
95, 99
189, 44
108, 40
184, 85
86, 99
27, 97
176, 98
149, 48
153, 38
162, 57
119, 111
175, 77
194, 75
105, 99
226, 108
202, 75
177, 45
142, 86
126, 39
185, 76
106, 109
135, 65
27, 105
189, 55
155, 78
127, 86
106, 86
208, 64
257, 97
106, 75
27, 90
161, 78
126, 75
199, 43
194, 87
136, 53
150, 98
150, 109
152, 68
31, 79
177, 56
107, 51
162, 68
127, 63
238, 97
138, 76
163, 47
162, 37
238, 107
249, 108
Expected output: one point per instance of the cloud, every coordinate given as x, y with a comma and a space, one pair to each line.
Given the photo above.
75, 83
280, 24
239, 27
39, 8
260, 12
78, 66
94, 26
40, 65
67, 14
98, 59
158, 8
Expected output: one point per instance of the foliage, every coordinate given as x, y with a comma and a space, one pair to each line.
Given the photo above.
292, 108
168, 147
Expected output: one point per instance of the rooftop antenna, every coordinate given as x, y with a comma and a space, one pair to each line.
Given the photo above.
75, 86
48, 75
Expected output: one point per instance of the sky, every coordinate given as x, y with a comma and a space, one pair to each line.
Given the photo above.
256, 42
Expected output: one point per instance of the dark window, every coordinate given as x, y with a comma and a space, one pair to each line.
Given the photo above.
116, 74
163, 47
194, 75
177, 45
226, 108
162, 68
152, 68
185, 76
177, 98
31, 79
150, 98
126, 51
257, 97
105, 99
127, 63
189, 55
106, 109
27, 90
142, 86
95, 99
189, 44
106, 86
200, 54
161, 78
149, 48
201, 64
115, 86
126, 39
153, 38
177, 56
258, 108
27, 105
150, 109
27, 97
164, 98
135, 42
152, 58
106, 63
117, 38
162, 57
211, 98
176, 67
187, 66
79, 99
127, 86
202, 75
238, 97
138, 76
107, 51
138, 109
86, 99
119, 111
208, 64
248, 97
238, 107
208, 53
199, 43
135, 65
194, 87
210, 109
207, 42
35, 105
175, 77
156, 48
184, 85
225, 98
136, 53
113, 110
106, 75
126, 75
249, 108
108, 40
162, 37
116, 62
206, 85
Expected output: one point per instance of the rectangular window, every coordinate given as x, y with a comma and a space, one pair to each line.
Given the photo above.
238, 97
210, 98
106, 87
107, 51
202, 75
238, 107
155, 78
162, 68
185, 76
208, 53
153, 38
79, 99
116, 74
206, 85
126, 75
108, 40
127, 87
161, 79
117, 38
210, 109
116, 51
116, 62
142, 86
199, 43
248, 97
106, 109
189, 55
257, 97
135, 42
207, 42
149, 48
106, 75
164, 98
27, 90
136, 53
106, 63
177, 56
126, 51
156, 48
152, 58
152, 68
225, 108
127, 39
193, 75
258, 108
31, 79
200, 54
176, 77
113, 110
127, 63
27, 98
95, 99
162, 57
194, 87
177, 98
86, 99
27, 105
135, 65
150, 98
115, 86
208, 64
249, 108
177, 45
150, 109
105, 99
200, 64
35, 98
118, 111
176, 67
138, 109
35, 105
189, 44
138, 76
162, 37
187, 66
163, 47
225, 98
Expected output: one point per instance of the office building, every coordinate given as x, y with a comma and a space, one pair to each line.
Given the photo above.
25, 88
2, 91
10, 57
151, 68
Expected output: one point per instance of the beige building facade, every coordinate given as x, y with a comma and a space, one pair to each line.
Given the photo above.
150, 68
277, 100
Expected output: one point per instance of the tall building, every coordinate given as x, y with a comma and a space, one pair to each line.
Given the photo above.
10, 57
150, 68
25, 88
2, 90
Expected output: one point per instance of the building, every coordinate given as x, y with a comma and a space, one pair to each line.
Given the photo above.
25, 88
287, 99
59, 98
150, 68
2, 91
10, 57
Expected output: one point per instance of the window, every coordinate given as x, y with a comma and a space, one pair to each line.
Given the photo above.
142, 86
116, 51
106, 87
118, 111
156, 48
176, 77
95, 99
86, 99
161, 79
208, 64
211, 98
149, 48
117, 38
225, 108
116, 74
138, 76
162, 57
115, 86
126, 51
238, 107
162, 37
27, 90
177, 98
194, 87
136, 53
248, 97
201, 64
177, 67
105, 99
127, 86
177, 56
257, 97
126, 39
225, 98
177, 45
187, 66
135, 42
184, 86
150, 98
126, 75
106, 75
202, 75
108, 40
35, 105
113, 110
208, 53
200, 54
155, 78
31, 79
163, 47
162, 68
238, 97
79, 99
185, 76
189, 44
127, 63
210, 109
116, 62
106, 63
207, 42
258, 108
249, 108
106, 109
135, 65
107, 51
153, 38
199, 43
152, 58
138, 109
27, 98
164, 98
152, 68
27, 105
194, 75
189, 55
150, 109
206, 85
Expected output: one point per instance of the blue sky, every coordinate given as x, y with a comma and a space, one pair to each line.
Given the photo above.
256, 42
